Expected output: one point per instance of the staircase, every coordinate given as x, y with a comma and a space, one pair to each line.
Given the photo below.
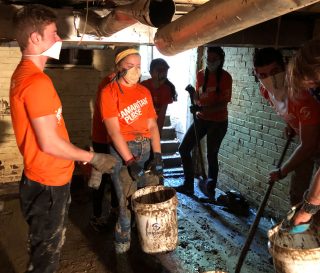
169, 149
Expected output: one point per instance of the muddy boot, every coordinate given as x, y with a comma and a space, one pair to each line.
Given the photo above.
187, 187
208, 188
211, 189
123, 233
122, 239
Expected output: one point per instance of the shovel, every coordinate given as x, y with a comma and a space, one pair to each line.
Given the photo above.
190, 89
256, 221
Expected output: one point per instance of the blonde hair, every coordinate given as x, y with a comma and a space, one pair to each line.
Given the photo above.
304, 67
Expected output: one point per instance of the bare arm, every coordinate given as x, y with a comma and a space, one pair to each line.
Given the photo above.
309, 137
313, 197
155, 137
314, 192
113, 128
51, 143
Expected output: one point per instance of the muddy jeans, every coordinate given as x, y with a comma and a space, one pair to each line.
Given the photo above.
125, 186
45, 208
215, 132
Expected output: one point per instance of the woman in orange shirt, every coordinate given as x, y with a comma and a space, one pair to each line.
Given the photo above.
213, 93
129, 116
163, 92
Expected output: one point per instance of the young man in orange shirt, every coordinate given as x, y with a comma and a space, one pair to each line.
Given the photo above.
43, 140
302, 115
130, 118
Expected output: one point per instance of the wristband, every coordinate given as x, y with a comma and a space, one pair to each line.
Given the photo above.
307, 206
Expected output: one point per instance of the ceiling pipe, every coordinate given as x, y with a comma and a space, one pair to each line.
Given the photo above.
154, 13
219, 18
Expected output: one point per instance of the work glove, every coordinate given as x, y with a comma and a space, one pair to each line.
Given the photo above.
103, 163
190, 89
135, 170
195, 108
156, 165
95, 179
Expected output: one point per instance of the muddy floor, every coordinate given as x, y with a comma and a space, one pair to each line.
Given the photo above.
210, 238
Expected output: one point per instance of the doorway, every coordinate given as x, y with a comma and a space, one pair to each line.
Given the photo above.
182, 72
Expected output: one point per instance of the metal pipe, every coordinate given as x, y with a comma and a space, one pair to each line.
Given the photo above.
219, 18
155, 13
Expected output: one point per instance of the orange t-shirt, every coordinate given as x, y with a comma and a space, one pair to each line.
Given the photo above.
304, 110
210, 97
161, 95
99, 130
32, 95
133, 108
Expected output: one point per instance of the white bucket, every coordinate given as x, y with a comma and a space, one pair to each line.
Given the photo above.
155, 209
295, 253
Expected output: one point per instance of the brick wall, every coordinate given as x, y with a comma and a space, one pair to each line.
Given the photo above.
254, 140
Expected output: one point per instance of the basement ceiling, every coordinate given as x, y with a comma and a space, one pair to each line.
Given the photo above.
175, 26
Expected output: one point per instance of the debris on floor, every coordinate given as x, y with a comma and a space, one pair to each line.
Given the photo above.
210, 238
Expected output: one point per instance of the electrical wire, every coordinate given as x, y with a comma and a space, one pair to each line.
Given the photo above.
85, 23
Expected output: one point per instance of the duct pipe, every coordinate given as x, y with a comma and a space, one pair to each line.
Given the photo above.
219, 18
155, 13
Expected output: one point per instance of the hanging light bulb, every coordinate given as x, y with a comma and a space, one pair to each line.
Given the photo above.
76, 22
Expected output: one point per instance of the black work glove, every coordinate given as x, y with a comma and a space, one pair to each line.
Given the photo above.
103, 163
156, 165
195, 108
135, 170
190, 89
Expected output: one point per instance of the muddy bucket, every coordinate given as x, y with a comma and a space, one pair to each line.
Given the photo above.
155, 210
295, 253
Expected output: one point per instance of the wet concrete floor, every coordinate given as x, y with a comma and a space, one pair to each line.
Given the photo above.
210, 238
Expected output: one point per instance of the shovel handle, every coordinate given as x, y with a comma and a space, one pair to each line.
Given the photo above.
256, 221
190, 89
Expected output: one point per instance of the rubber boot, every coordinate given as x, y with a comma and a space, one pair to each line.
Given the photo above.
187, 187
208, 188
211, 189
